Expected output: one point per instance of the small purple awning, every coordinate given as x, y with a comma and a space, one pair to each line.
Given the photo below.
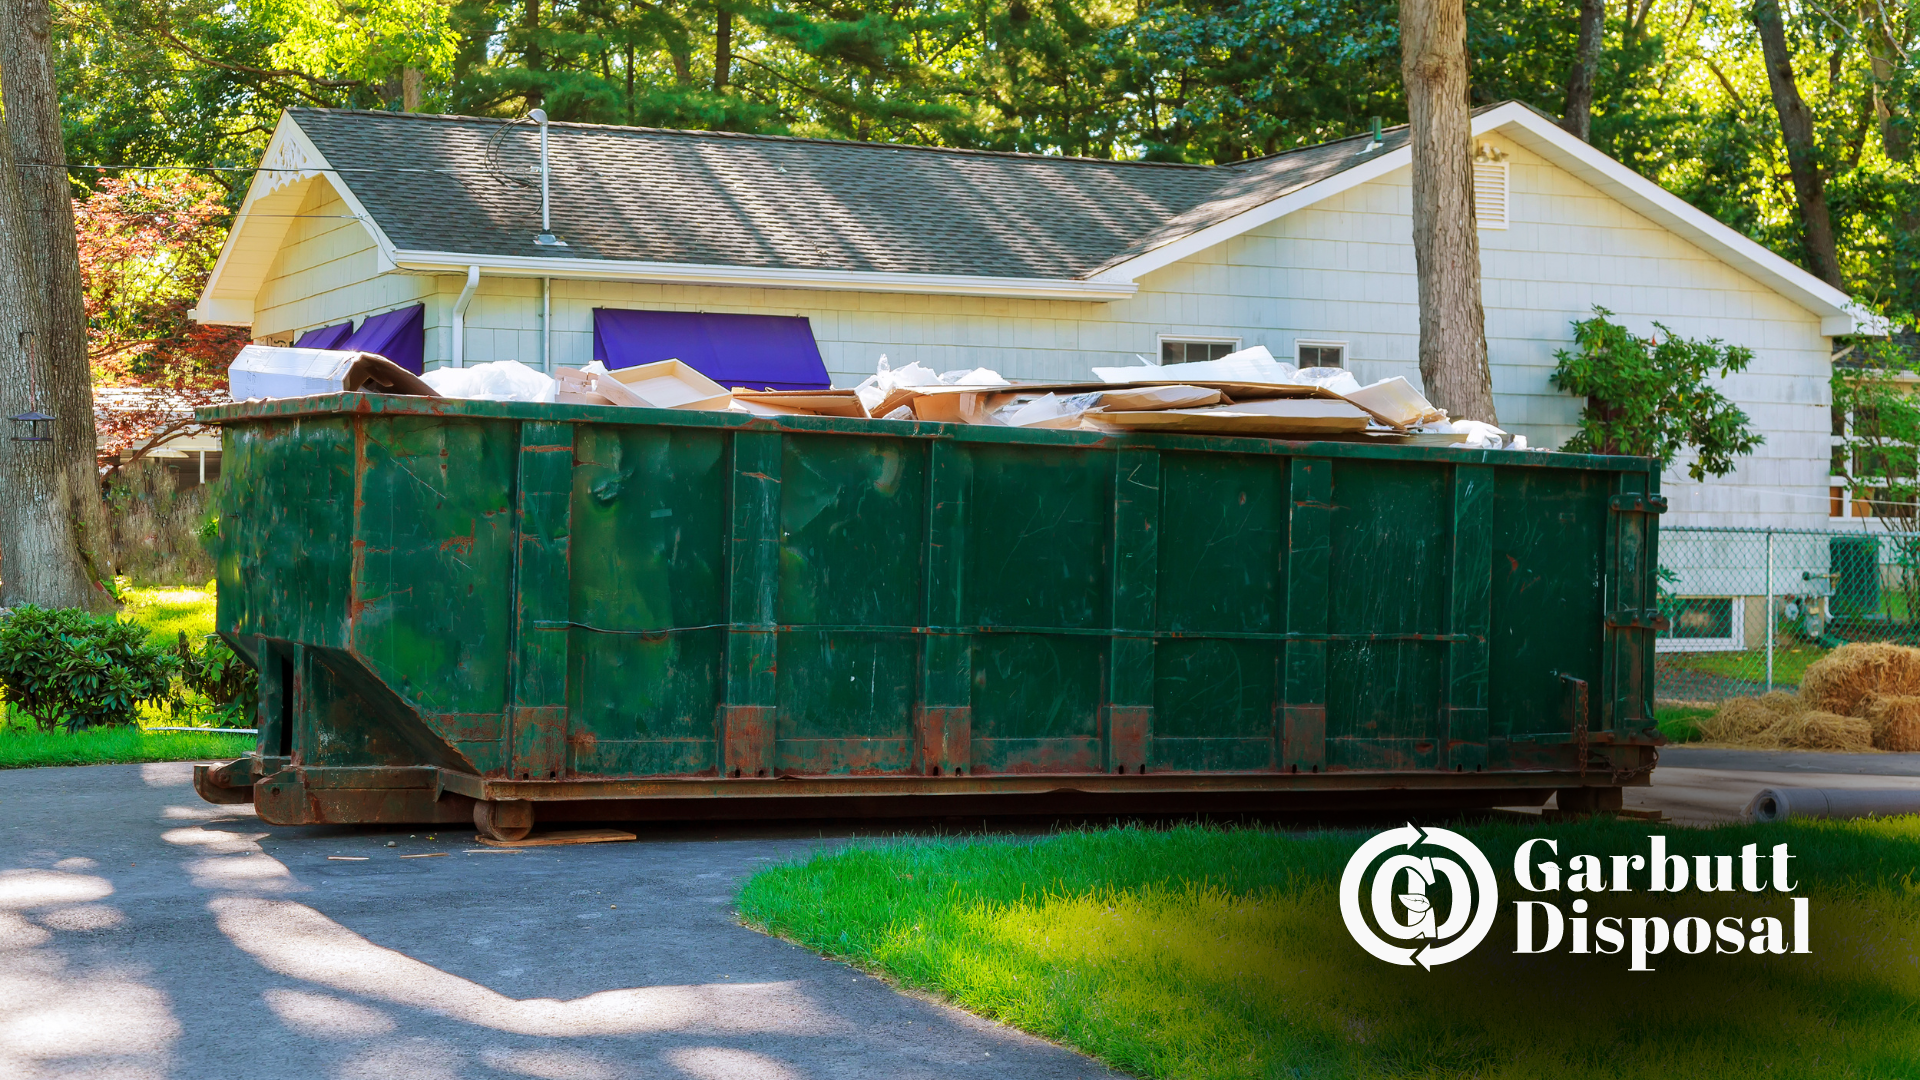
326, 337
771, 352
400, 336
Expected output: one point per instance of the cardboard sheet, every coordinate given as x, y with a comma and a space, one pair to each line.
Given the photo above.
1274, 416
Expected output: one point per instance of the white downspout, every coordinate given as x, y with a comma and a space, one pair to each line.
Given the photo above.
546, 325
459, 355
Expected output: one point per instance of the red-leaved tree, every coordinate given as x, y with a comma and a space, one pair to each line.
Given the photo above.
146, 248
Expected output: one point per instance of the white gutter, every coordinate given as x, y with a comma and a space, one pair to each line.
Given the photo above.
460, 317
452, 262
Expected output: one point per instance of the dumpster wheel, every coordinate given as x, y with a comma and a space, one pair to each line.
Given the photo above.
509, 820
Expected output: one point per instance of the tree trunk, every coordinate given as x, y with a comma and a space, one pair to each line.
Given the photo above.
722, 50
1796, 130
1446, 242
411, 94
1578, 117
39, 560
42, 209
532, 55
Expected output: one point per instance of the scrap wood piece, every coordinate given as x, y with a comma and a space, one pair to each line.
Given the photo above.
560, 837
666, 384
815, 402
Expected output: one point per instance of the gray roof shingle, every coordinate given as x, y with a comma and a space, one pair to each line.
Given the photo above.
702, 197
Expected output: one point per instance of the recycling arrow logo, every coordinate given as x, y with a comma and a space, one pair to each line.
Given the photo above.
1395, 881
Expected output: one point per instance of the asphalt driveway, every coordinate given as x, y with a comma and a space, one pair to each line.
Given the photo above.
145, 933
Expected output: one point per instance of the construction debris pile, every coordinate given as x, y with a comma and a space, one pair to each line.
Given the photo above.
1858, 697
1246, 393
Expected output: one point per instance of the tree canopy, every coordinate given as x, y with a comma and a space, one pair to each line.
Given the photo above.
1682, 89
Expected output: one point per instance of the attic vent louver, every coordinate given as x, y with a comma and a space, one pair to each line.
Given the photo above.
1490, 187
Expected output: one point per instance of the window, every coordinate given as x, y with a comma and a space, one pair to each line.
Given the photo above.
1490, 193
1175, 351
1320, 353
1704, 624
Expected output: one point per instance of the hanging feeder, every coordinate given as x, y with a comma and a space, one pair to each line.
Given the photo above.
37, 425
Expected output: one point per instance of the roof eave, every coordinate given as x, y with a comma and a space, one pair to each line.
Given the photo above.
451, 262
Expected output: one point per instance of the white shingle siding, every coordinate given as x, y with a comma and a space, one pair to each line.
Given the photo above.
1340, 270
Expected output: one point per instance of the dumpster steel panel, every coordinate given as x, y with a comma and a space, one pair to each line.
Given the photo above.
641, 609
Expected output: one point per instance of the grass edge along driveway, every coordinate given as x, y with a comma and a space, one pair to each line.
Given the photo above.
1197, 952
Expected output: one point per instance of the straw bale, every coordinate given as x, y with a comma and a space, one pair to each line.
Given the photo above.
1816, 730
1747, 720
1782, 721
1896, 721
1841, 681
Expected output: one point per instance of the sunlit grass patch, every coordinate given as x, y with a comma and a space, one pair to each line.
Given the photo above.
22, 747
167, 610
1221, 954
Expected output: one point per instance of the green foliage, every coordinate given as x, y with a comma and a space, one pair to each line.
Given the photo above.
66, 666
1650, 397
217, 673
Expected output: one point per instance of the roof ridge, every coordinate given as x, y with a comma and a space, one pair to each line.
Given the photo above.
757, 136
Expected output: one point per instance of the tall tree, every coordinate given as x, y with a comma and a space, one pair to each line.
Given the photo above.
39, 556
44, 216
1578, 115
1446, 241
1803, 156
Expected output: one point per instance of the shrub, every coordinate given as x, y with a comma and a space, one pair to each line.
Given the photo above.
218, 673
1651, 397
66, 666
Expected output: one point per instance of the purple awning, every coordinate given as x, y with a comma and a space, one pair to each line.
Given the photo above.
775, 352
400, 336
326, 337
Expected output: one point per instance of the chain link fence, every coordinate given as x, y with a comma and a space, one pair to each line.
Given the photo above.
1751, 608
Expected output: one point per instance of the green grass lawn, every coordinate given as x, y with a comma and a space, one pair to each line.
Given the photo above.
1789, 663
166, 610
1679, 723
22, 747
1221, 954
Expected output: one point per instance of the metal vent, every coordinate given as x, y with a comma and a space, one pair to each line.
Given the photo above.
1490, 193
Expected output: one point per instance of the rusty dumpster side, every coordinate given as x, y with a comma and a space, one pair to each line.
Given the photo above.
501, 609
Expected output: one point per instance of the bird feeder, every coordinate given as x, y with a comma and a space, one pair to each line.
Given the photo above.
37, 425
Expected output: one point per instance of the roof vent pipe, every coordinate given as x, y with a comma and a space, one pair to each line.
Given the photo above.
459, 354
546, 237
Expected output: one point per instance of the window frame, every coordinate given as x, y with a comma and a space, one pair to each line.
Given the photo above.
1160, 342
1346, 351
1736, 626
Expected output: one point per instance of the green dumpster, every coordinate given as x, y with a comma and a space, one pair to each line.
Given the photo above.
517, 611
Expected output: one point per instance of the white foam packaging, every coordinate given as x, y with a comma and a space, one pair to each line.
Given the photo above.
501, 380
270, 371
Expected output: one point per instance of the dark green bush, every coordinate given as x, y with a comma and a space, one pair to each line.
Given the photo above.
218, 674
64, 666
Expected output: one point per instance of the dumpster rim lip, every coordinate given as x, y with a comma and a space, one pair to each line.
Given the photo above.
361, 404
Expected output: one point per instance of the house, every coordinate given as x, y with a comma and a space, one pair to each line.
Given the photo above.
788, 261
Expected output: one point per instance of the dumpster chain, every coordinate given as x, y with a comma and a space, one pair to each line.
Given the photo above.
1580, 723
1621, 776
